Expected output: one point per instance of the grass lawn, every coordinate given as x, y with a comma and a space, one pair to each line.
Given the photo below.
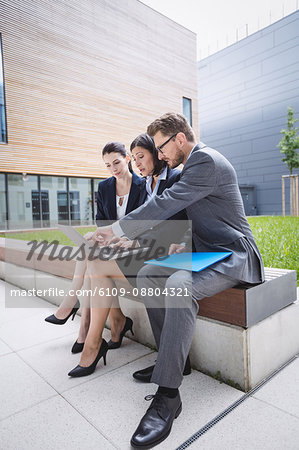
277, 238
47, 235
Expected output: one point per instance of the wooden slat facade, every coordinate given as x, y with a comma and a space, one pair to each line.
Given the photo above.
81, 73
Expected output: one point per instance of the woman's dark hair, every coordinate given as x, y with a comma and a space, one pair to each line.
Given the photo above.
117, 147
147, 142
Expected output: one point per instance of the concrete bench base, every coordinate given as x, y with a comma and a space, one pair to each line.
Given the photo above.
244, 356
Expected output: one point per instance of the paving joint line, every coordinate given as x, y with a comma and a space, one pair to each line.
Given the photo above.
276, 407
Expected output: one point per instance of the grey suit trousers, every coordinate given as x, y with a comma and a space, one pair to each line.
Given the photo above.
172, 314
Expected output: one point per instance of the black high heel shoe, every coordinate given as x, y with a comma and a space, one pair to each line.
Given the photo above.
80, 371
128, 326
77, 347
53, 319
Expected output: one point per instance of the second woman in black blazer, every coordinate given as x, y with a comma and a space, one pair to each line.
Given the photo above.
103, 272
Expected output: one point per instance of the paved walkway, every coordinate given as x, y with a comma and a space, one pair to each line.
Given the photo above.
42, 408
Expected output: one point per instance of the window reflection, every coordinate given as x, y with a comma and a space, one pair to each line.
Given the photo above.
187, 109
36, 201
53, 200
3, 134
95, 193
80, 201
2, 202
24, 206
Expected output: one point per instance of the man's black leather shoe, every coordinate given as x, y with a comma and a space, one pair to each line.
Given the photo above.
156, 424
145, 375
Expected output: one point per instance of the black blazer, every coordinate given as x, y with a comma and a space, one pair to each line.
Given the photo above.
159, 237
167, 233
106, 199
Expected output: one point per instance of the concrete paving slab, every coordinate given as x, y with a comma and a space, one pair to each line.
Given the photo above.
33, 330
8, 314
283, 390
252, 425
20, 386
53, 360
202, 398
4, 349
50, 424
99, 399
16, 297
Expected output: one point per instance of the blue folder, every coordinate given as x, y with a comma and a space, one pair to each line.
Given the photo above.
190, 261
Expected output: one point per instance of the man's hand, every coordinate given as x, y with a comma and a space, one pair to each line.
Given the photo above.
103, 234
123, 243
176, 248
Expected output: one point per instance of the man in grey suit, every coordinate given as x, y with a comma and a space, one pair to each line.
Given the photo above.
208, 191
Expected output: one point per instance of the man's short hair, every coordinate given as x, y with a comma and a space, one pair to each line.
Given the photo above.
171, 123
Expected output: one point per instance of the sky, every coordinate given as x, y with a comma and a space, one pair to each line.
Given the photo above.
218, 20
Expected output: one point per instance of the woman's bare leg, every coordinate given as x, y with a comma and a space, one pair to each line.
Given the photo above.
85, 310
84, 325
117, 323
70, 299
102, 274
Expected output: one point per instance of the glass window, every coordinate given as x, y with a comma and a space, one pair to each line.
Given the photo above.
23, 200
3, 134
2, 202
53, 200
80, 201
187, 109
95, 187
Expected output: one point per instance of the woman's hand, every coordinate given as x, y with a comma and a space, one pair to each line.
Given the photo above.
176, 248
103, 234
89, 235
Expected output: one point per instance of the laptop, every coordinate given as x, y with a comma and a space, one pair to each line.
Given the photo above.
101, 252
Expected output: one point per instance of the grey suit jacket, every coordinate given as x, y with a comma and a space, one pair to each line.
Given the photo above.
208, 191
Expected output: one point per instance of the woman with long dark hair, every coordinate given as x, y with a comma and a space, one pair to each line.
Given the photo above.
103, 274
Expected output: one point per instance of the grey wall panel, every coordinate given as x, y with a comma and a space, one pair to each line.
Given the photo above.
244, 92
287, 32
263, 81
283, 58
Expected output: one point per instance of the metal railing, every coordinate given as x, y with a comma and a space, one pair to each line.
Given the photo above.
249, 28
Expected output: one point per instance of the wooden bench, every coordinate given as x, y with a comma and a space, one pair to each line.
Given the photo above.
244, 306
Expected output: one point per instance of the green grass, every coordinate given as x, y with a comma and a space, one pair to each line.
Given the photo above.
277, 238
48, 235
